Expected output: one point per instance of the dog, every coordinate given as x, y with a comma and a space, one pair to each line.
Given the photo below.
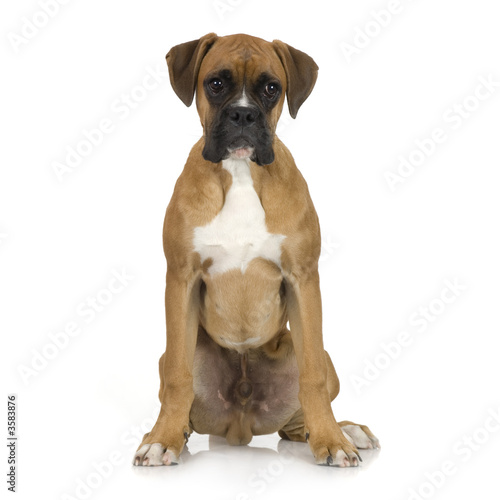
242, 243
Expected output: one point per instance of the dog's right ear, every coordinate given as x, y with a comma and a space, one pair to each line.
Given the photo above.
184, 62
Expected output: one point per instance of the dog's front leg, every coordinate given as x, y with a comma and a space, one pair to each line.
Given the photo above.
163, 445
325, 437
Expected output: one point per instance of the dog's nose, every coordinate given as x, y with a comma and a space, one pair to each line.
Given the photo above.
242, 116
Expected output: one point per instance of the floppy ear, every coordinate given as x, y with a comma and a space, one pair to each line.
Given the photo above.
301, 73
184, 62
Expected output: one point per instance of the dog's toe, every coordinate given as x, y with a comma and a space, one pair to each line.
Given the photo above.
154, 455
342, 459
333, 453
150, 455
170, 458
140, 453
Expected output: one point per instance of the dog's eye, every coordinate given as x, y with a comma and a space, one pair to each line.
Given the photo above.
215, 85
271, 90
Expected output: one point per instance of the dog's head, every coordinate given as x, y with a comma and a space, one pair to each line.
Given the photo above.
240, 83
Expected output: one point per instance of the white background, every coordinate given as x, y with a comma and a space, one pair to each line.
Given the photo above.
385, 254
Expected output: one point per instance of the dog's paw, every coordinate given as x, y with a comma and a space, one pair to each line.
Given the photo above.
335, 452
360, 436
149, 455
343, 458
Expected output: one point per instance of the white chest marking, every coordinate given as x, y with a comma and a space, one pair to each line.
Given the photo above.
238, 233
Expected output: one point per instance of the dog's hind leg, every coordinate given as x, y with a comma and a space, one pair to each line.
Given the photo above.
359, 435
294, 428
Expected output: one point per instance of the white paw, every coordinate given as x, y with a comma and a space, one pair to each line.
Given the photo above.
359, 438
342, 459
154, 454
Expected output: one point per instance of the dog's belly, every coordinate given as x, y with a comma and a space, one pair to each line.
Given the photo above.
243, 311
238, 396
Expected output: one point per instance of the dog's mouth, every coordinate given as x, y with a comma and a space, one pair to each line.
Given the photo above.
255, 146
241, 149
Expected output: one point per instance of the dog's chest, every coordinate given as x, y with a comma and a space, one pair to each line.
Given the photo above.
238, 233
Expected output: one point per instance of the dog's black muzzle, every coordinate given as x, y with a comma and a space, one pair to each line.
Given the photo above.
238, 127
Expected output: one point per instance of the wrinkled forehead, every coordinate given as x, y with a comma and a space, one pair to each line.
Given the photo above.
246, 58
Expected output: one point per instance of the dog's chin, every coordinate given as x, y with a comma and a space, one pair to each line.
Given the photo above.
245, 153
240, 149
262, 158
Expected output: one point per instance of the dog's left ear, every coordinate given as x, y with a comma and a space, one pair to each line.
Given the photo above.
301, 73
184, 62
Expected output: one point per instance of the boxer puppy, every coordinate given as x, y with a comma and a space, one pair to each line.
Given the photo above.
242, 242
